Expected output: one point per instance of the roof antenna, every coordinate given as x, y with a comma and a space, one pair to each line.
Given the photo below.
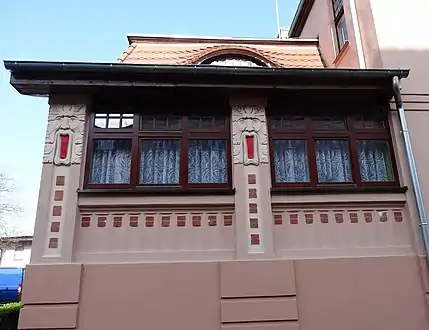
277, 17
282, 33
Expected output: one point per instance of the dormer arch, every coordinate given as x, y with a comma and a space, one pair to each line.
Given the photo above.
234, 57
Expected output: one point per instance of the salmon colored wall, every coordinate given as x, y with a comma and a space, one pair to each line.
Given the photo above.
320, 25
311, 294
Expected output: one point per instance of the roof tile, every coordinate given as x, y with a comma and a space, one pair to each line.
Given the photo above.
187, 53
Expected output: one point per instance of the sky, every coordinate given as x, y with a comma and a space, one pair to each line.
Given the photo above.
95, 31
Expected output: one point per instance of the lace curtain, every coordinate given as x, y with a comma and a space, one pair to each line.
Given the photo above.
374, 161
207, 161
111, 162
160, 162
291, 161
333, 161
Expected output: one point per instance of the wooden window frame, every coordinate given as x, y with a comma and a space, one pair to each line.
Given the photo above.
137, 134
351, 134
338, 13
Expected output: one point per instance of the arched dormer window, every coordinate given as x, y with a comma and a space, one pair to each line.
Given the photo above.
234, 60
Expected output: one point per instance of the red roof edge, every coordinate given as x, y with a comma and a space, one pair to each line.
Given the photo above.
301, 16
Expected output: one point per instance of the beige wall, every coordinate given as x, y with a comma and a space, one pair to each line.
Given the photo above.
312, 294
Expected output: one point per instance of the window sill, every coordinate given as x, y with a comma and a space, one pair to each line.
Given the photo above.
341, 53
338, 190
155, 191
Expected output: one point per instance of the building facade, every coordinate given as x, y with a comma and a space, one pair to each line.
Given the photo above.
16, 251
231, 183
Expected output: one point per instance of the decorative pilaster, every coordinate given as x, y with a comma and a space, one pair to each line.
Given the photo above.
62, 157
251, 177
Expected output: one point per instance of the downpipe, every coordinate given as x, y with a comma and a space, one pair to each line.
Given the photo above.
423, 221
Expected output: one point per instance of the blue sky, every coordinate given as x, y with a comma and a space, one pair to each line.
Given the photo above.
93, 31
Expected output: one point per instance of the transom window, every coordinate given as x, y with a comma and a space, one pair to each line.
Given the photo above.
159, 149
314, 151
341, 34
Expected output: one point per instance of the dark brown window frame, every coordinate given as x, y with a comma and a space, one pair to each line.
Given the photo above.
338, 13
136, 134
350, 134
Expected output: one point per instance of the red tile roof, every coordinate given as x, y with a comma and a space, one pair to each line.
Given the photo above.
189, 50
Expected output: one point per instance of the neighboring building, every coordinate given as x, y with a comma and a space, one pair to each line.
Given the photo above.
15, 251
209, 183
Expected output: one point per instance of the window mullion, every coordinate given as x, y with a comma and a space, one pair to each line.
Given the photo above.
184, 153
311, 152
354, 160
135, 162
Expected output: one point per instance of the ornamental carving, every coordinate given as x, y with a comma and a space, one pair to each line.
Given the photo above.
64, 120
249, 120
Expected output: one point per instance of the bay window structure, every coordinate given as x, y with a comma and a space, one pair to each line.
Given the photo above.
341, 33
331, 150
159, 149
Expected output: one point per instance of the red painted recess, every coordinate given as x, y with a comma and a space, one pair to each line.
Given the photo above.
250, 147
64, 144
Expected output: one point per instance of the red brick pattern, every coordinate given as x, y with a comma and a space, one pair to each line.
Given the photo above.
253, 208
324, 217
398, 216
383, 216
55, 227
56, 211
227, 220
212, 220
134, 221
196, 220
278, 219
181, 221
293, 218
339, 218
254, 239
58, 195
53, 243
101, 221
85, 221
117, 221
253, 223
253, 193
251, 178
367, 217
353, 217
60, 180
149, 221
165, 221
309, 218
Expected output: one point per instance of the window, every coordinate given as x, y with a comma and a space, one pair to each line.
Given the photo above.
331, 150
234, 60
129, 150
341, 34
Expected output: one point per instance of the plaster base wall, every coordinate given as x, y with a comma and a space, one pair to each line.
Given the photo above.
318, 294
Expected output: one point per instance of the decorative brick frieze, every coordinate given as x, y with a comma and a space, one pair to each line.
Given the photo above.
212, 220
254, 239
278, 219
55, 227
354, 218
253, 208
60, 180
339, 218
196, 220
309, 218
56, 210
58, 195
134, 221
367, 217
227, 220
53, 243
117, 221
397, 216
253, 193
101, 221
85, 221
253, 223
293, 218
181, 221
149, 220
324, 217
251, 178
165, 221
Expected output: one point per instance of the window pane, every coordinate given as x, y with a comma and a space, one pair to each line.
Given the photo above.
287, 122
333, 161
341, 31
113, 122
206, 122
100, 122
331, 123
127, 122
369, 122
207, 161
291, 161
160, 122
111, 161
374, 161
160, 162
